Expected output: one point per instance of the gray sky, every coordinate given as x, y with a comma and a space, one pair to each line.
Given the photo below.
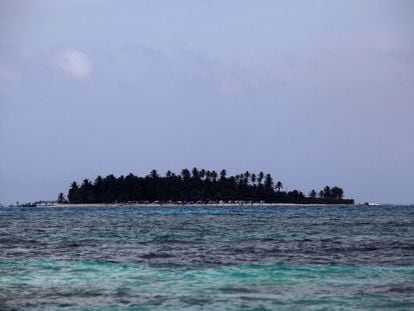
315, 92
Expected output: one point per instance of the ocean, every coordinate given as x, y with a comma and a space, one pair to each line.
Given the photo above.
207, 258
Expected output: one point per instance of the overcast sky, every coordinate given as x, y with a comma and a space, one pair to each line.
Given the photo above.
314, 92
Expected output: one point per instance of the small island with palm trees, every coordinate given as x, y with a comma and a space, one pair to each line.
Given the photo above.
195, 187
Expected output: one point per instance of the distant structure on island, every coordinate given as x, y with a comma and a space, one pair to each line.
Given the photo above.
40, 203
195, 187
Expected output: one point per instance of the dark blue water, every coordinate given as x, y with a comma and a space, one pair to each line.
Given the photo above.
210, 258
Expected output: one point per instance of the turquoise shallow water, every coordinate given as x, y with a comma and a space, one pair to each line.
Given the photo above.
205, 258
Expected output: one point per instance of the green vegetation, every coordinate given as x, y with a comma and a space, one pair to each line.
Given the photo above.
195, 186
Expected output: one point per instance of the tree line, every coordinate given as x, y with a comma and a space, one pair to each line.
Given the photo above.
195, 186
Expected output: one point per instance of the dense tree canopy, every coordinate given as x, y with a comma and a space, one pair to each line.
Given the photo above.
200, 186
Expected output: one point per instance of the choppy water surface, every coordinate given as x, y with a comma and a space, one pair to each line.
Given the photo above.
232, 258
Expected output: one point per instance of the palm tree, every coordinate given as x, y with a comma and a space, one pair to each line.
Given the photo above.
195, 173
260, 177
223, 174
61, 198
321, 194
312, 194
73, 194
253, 178
214, 175
154, 174
327, 192
185, 173
337, 192
268, 182
279, 186
98, 180
247, 174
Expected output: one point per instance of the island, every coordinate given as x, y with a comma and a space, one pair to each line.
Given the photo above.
198, 186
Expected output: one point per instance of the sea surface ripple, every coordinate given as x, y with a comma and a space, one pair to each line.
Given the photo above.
209, 258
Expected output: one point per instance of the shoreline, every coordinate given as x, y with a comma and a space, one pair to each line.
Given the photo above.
192, 205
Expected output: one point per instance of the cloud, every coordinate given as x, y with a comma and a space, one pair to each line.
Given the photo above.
74, 63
